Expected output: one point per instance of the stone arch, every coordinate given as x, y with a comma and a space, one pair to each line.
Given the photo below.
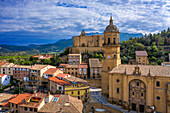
137, 95
83, 45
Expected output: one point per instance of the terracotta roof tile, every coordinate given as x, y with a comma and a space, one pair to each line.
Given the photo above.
1, 75
62, 75
58, 81
20, 98
83, 65
75, 105
51, 71
1, 63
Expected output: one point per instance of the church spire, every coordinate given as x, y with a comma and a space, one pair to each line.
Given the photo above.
111, 20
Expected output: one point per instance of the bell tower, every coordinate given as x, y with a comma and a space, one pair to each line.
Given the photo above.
111, 49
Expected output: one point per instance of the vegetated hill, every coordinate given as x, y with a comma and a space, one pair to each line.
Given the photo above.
55, 47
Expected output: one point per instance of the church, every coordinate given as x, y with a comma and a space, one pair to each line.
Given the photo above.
141, 88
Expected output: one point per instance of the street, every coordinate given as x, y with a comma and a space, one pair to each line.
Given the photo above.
96, 94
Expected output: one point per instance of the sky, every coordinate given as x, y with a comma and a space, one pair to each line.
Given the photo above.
50, 20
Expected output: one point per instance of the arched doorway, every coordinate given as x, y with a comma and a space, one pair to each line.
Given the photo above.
137, 95
83, 45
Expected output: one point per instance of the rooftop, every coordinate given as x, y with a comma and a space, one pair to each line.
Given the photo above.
76, 79
74, 54
1, 75
63, 65
1, 63
7, 64
20, 98
58, 81
34, 100
154, 70
65, 104
21, 66
83, 65
4, 98
94, 62
38, 67
141, 53
51, 71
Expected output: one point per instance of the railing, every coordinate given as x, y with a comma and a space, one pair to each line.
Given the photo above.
77, 88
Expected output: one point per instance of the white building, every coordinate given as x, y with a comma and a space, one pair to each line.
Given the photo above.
4, 79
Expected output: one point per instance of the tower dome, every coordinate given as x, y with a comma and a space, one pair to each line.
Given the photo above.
111, 27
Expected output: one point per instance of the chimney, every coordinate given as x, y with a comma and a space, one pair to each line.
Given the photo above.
34, 91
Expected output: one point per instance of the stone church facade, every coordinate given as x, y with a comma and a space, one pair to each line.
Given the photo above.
141, 88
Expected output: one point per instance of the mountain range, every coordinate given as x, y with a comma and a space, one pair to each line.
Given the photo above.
58, 46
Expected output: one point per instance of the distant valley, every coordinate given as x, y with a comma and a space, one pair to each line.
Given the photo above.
54, 47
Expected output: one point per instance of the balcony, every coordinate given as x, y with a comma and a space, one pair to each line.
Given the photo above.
77, 88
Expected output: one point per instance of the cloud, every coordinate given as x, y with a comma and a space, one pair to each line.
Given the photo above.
69, 17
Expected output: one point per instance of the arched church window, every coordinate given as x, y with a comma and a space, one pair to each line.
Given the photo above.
108, 41
114, 41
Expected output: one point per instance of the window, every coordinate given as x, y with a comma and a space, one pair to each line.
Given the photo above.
117, 90
157, 83
12, 105
60, 88
141, 94
35, 110
25, 108
133, 93
51, 87
137, 83
139, 57
158, 97
31, 109
113, 40
16, 106
117, 80
72, 92
78, 92
108, 68
108, 41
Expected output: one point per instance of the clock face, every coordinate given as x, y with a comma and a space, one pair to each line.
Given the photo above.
108, 57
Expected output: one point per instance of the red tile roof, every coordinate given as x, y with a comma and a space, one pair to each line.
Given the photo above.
83, 65
1, 75
141, 53
58, 81
62, 75
1, 63
20, 98
51, 71
63, 64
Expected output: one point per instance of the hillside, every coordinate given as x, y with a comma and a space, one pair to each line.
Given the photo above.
55, 47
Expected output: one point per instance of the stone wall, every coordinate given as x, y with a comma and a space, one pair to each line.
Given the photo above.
92, 106
94, 82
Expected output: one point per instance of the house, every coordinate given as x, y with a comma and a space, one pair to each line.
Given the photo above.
63, 104
80, 70
142, 57
4, 104
68, 84
165, 63
21, 72
95, 68
36, 74
6, 68
74, 59
4, 79
43, 56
